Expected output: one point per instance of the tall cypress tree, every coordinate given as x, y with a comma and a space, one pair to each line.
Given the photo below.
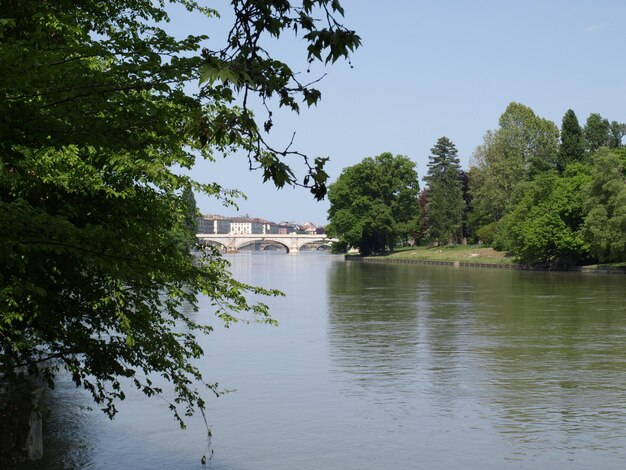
445, 196
572, 147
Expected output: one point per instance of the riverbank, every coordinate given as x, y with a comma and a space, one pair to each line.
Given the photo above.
472, 256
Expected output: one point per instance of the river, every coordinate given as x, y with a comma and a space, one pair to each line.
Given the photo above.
387, 367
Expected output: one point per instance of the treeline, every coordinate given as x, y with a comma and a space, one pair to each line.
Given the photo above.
550, 196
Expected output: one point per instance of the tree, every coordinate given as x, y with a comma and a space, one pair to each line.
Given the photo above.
96, 119
424, 225
572, 147
443, 156
467, 204
374, 204
528, 140
445, 197
600, 133
544, 226
605, 207
478, 215
596, 132
617, 131
191, 211
523, 146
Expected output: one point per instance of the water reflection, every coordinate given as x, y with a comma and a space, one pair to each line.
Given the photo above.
538, 357
68, 428
376, 366
553, 349
373, 330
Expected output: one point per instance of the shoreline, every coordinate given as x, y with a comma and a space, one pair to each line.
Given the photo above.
469, 264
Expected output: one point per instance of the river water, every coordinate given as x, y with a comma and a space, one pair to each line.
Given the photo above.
387, 367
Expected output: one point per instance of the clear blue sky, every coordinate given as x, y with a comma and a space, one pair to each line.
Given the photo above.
428, 69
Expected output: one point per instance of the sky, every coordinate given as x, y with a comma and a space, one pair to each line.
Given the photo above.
428, 69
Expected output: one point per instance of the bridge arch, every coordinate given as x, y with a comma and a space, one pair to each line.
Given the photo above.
315, 245
219, 245
274, 247
266, 240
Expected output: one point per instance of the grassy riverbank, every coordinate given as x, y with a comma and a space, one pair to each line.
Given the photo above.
477, 254
461, 253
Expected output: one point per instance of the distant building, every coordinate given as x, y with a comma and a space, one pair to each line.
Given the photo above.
274, 228
217, 224
312, 229
213, 224
247, 225
288, 227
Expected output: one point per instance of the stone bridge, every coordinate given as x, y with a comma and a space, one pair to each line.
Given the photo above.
234, 242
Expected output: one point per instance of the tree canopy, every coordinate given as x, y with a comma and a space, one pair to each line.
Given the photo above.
572, 148
550, 203
374, 204
599, 132
444, 155
545, 225
445, 196
604, 227
96, 268
522, 146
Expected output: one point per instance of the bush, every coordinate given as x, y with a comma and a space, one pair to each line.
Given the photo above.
487, 233
338, 247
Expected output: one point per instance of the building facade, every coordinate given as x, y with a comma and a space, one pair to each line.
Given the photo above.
218, 224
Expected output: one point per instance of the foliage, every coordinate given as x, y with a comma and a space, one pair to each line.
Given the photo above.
475, 215
374, 204
605, 206
487, 233
599, 132
546, 218
468, 208
544, 226
244, 66
423, 232
572, 147
338, 247
617, 131
523, 146
596, 132
191, 213
96, 119
443, 156
445, 197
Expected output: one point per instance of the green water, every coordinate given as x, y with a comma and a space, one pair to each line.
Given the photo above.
389, 367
